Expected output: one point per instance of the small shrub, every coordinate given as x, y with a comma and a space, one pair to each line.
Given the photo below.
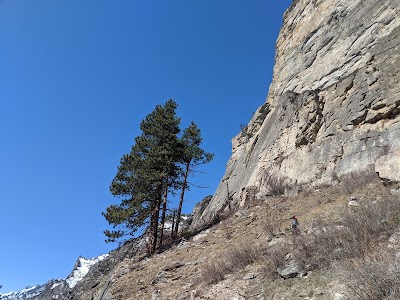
373, 277
274, 184
355, 235
250, 195
240, 257
213, 273
274, 258
243, 128
352, 181
233, 260
318, 249
272, 220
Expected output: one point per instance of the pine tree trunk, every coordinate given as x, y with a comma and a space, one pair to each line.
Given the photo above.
150, 241
173, 225
178, 218
164, 211
155, 214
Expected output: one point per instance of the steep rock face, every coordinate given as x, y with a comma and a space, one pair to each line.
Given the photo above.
333, 106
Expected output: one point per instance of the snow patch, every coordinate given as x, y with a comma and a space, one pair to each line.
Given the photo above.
81, 268
168, 224
55, 285
28, 292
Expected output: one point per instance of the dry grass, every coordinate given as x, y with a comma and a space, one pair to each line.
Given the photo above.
234, 259
355, 235
348, 234
338, 237
213, 272
354, 180
373, 277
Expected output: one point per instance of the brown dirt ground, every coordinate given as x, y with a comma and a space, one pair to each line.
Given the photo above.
158, 278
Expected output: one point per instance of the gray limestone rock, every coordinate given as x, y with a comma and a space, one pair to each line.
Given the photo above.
353, 203
291, 270
333, 106
173, 266
388, 166
395, 192
339, 296
249, 276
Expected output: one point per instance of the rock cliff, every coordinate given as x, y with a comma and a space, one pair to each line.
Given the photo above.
333, 106
333, 109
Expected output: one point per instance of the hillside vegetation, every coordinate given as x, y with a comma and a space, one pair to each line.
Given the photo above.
347, 249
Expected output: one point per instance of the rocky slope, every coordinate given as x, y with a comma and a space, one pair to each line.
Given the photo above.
196, 267
333, 106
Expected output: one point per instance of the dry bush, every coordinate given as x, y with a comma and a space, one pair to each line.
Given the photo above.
272, 220
274, 184
250, 196
307, 190
373, 277
240, 257
274, 258
357, 234
213, 273
233, 260
352, 181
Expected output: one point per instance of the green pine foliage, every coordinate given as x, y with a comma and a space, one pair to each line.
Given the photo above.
158, 164
193, 156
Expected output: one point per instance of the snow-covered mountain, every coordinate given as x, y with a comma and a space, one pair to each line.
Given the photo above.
56, 287
81, 268
85, 274
26, 293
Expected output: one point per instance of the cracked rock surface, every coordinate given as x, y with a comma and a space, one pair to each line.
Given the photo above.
333, 106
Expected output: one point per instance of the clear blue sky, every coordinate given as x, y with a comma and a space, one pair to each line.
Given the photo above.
76, 79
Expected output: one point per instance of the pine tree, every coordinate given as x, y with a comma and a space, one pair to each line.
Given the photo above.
192, 157
161, 128
144, 174
133, 211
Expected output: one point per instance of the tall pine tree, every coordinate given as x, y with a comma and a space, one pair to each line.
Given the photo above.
145, 174
193, 156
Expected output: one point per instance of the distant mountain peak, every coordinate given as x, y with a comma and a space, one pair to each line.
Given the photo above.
81, 268
56, 286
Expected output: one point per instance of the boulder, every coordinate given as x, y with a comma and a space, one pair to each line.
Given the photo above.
173, 266
249, 276
339, 296
290, 270
264, 195
394, 241
353, 203
395, 192
201, 235
388, 166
